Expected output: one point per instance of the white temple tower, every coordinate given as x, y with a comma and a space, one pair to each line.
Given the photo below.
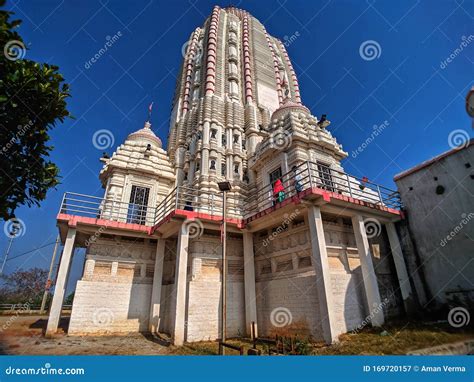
153, 241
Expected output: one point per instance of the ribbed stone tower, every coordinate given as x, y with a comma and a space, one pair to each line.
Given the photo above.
233, 79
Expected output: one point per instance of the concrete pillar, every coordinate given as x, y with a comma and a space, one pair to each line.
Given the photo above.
368, 272
249, 282
155, 303
61, 283
323, 277
400, 266
180, 286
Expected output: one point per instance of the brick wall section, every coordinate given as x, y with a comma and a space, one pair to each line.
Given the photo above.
297, 294
204, 307
349, 300
106, 308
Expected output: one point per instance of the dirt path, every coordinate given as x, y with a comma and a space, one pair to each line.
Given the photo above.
23, 335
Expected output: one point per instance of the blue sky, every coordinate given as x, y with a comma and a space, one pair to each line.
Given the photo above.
407, 83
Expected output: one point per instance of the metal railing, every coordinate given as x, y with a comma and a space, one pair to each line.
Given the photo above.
25, 307
307, 175
316, 175
107, 208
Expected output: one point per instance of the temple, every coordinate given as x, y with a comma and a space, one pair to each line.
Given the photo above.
321, 254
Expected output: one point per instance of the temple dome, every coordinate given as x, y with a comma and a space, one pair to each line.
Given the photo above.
145, 134
287, 106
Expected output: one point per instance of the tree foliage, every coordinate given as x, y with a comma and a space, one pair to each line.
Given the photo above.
32, 102
23, 287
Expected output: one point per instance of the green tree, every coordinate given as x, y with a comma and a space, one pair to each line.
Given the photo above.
32, 102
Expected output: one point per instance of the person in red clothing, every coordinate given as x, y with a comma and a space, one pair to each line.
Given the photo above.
278, 191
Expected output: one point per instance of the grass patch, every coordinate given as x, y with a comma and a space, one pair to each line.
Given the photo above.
391, 339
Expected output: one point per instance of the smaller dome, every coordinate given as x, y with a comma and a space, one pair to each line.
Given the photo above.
145, 134
287, 106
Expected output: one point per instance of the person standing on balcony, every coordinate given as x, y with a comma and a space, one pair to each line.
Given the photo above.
297, 180
278, 191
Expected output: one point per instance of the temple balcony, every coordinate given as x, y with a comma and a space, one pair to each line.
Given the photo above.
311, 183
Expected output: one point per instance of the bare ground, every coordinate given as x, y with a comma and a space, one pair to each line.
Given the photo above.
24, 335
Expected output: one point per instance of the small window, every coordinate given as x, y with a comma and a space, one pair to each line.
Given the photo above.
274, 175
212, 165
198, 165
236, 168
236, 138
244, 143
224, 140
213, 133
325, 177
223, 168
138, 205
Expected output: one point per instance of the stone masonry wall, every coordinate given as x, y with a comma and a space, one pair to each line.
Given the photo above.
106, 308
